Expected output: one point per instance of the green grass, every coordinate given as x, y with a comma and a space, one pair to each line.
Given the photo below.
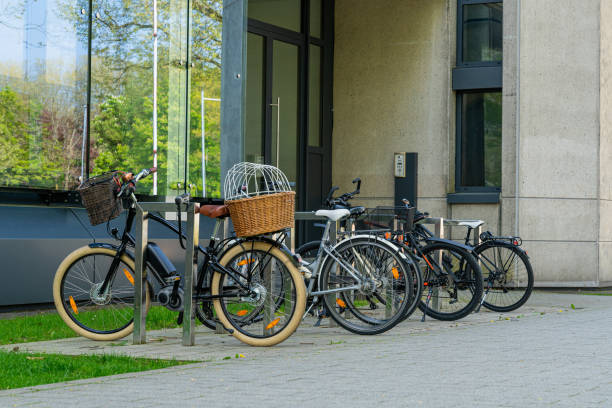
49, 326
25, 370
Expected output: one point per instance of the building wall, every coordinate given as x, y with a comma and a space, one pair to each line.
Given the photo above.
559, 166
392, 64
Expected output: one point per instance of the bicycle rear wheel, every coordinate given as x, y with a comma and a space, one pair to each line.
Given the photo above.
372, 287
455, 289
77, 297
272, 307
507, 273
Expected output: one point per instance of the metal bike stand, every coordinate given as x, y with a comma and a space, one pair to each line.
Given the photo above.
310, 216
440, 232
141, 235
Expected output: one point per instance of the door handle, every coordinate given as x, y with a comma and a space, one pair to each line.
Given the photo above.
277, 104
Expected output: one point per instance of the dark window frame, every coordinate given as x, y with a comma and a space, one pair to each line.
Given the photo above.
471, 194
460, 63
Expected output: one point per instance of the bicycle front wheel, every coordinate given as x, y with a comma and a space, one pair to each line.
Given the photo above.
81, 305
369, 283
507, 273
271, 306
452, 282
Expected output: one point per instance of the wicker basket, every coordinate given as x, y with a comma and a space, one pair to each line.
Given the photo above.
99, 198
262, 214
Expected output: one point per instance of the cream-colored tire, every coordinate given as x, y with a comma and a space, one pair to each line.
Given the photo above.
297, 282
71, 260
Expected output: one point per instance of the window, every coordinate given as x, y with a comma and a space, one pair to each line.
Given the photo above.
477, 79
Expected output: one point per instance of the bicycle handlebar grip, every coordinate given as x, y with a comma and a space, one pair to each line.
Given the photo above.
152, 170
127, 176
182, 199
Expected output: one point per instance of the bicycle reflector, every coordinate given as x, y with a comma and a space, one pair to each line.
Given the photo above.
129, 276
395, 273
341, 303
242, 312
245, 261
73, 305
273, 323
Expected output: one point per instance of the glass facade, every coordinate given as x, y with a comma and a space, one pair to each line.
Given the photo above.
44, 92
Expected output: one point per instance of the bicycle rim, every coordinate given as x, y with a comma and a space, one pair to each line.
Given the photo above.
443, 297
381, 301
507, 275
271, 310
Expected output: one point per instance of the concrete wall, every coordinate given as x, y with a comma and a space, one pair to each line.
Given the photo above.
559, 164
392, 67
605, 144
392, 62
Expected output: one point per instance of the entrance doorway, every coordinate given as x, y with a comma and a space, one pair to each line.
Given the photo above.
288, 93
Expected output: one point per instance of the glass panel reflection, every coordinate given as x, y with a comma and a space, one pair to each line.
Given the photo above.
205, 98
314, 96
43, 68
482, 32
315, 18
481, 139
285, 85
122, 90
282, 13
254, 132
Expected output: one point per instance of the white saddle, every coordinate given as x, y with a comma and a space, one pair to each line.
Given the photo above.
472, 223
333, 215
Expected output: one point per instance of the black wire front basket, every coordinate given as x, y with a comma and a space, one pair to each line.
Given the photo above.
99, 197
386, 219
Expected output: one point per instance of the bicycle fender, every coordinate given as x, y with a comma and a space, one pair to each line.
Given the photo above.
278, 245
494, 242
451, 242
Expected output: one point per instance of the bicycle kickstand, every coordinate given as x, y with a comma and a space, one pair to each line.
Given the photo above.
430, 291
484, 296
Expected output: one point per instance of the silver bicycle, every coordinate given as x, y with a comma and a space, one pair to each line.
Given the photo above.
363, 281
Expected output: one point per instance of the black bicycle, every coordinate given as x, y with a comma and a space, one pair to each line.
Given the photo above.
256, 290
507, 272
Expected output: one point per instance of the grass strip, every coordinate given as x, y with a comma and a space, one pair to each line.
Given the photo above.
25, 370
49, 326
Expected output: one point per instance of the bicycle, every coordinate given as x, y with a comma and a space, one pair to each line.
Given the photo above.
310, 250
254, 284
507, 271
363, 280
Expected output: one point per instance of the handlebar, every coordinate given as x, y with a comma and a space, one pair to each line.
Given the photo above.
343, 199
129, 181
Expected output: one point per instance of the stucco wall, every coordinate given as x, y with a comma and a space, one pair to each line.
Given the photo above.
392, 62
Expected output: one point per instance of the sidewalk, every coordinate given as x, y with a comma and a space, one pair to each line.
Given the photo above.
546, 353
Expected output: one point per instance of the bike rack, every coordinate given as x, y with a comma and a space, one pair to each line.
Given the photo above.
141, 235
440, 222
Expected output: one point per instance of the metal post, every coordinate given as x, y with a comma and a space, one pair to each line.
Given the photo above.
333, 232
439, 231
140, 308
191, 270
155, 95
82, 179
219, 329
202, 125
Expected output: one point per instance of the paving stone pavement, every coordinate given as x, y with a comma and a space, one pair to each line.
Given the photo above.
552, 355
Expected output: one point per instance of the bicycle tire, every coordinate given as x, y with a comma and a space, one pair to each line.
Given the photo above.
500, 297
358, 310
458, 299
257, 331
102, 318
